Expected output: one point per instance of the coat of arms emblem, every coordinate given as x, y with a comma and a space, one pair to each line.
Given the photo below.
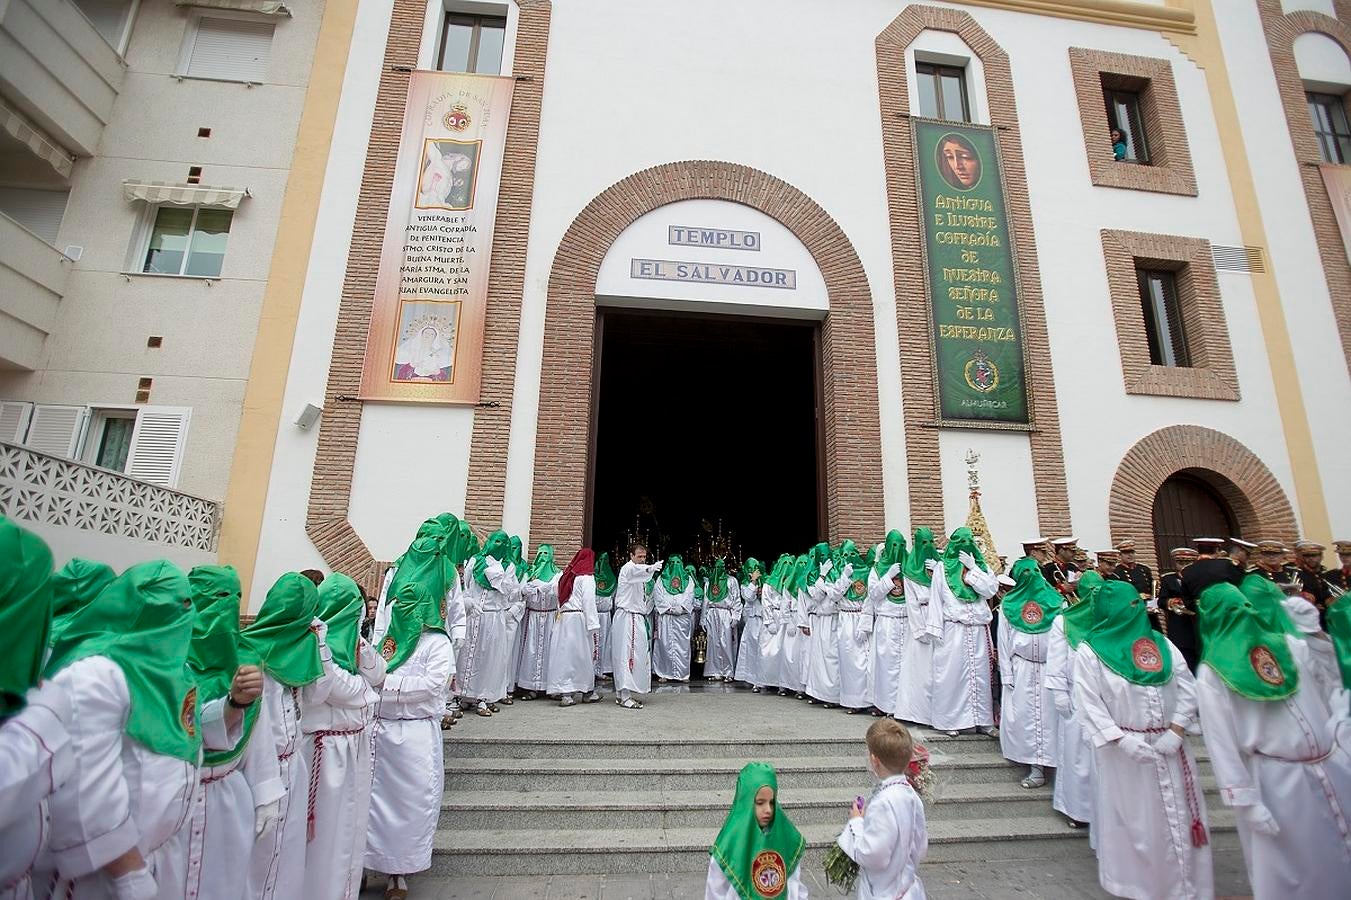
457, 119
981, 373
1266, 666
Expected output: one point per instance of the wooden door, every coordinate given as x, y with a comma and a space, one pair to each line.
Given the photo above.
1187, 508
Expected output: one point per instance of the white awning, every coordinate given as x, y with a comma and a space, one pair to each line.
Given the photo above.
162, 193
266, 7
32, 137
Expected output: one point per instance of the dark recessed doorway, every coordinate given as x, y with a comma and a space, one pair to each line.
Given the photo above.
1187, 507
706, 423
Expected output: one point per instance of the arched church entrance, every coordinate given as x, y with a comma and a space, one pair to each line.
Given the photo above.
1186, 507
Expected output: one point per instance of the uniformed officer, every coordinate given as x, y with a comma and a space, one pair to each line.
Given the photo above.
1179, 613
1137, 574
1309, 570
1039, 549
1240, 551
1061, 571
1340, 577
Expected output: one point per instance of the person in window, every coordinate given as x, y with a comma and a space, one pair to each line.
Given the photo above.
958, 162
1118, 145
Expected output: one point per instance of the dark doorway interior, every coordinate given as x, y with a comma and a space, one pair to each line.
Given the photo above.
1185, 508
706, 421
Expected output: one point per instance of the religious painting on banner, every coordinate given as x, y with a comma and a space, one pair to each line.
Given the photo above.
425, 342
972, 276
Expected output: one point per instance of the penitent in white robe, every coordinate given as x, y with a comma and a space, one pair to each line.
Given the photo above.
793, 656
573, 639
719, 620
1028, 723
1074, 773
121, 795
338, 745
886, 623
221, 827
770, 673
409, 764
962, 695
35, 759
1283, 755
537, 625
823, 644
600, 652
717, 887
629, 638
748, 654
675, 625
485, 663
1143, 811
888, 843
924, 629
277, 866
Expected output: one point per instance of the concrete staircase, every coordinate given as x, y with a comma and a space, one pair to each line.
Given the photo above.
647, 803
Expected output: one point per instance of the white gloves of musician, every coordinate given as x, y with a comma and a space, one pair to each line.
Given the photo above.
968, 560
1168, 743
138, 884
1259, 819
1137, 749
265, 816
1303, 613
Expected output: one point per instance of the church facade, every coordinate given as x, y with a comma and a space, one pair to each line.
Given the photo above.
1094, 241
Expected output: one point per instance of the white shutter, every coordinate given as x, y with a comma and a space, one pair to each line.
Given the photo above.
56, 429
38, 211
157, 444
14, 416
231, 49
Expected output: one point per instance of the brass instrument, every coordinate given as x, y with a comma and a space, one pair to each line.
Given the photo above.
1334, 592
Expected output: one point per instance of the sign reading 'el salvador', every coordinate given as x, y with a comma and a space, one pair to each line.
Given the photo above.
973, 282
712, 273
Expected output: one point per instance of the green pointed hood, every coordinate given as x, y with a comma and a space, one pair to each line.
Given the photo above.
213, 655
961, 541
1253, 661
857, 591
1339, 629
518, 558
1078, 617
606, 581
1122, 639
893, 553
921, 551
673, 575
415, 611
781, 574
74, 586
751, 566
757, 861
717, 582
143, 622
498, 547
429, 561
1032, 604
25, 612
698, 575
544, 568
463, 544
280, 640
1269, 602
805, 573
342, 606
819, 554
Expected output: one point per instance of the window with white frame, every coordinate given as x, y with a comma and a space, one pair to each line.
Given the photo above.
472, 43
142, 442
184, 240
222, 47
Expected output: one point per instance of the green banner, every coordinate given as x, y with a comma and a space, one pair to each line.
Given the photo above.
973, 281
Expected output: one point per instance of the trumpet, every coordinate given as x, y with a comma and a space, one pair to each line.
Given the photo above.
1334, 592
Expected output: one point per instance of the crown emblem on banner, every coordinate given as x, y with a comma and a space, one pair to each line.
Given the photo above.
457, 119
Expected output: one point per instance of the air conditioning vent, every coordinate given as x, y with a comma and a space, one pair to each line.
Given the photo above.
1238, 259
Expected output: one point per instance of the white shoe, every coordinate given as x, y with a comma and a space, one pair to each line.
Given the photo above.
593, 697
567, 701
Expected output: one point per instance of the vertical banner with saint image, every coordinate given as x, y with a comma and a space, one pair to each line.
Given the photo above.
972, 277
425, 342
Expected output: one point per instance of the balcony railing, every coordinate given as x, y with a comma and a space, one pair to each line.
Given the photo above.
32, 282
37, 487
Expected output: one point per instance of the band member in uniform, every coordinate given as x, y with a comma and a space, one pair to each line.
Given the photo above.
1339, 579
1209, 568
1309, 570
1271, 566
1061, 571
1179, 613
1137, 574
1240, 551
1039, 549
1108, 565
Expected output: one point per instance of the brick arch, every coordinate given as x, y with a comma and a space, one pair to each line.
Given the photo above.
853, 444
1254, 495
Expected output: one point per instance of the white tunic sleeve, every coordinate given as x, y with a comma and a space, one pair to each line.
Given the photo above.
1088, 700
91, 813
1185, 711
1005, 639
1058, 659
586, 587
35, 753
1237, 787
345, 689
420, 688
984, 582
262, 769
217, 734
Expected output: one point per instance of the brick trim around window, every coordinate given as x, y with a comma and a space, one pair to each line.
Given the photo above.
924, 474
1236, 473
1281, 31
1212, 375
1170, 168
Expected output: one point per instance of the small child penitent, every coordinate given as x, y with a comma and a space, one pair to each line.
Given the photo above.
758, 849
887, 836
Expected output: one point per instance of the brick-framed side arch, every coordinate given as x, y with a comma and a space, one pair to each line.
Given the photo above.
1281, 30
1257, 499
853, 463
912, 299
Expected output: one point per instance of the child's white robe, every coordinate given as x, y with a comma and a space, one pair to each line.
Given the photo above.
1141, 812
409, 766
1074, 774
888, 842
572, 641
629, 635
1028, 724
1282, 754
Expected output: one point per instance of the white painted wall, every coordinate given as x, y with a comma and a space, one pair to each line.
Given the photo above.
1322, 62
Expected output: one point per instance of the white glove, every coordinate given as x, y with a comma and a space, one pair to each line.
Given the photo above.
826, 567
848, 570
138, 884
1062, 702
934, 565
656, 566
265, 816
319, 627
1168, 743
967, 559
1137, 749
1303, 613
1259, 818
